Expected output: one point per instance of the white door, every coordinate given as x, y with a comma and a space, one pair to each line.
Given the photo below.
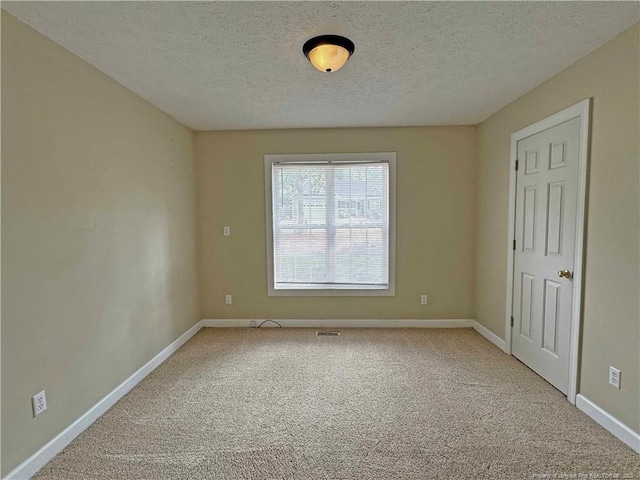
545, 232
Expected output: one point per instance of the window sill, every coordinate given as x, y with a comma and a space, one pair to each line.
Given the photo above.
334, 291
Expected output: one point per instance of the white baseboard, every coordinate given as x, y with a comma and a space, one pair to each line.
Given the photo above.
341, 323
35, 462
489, 335
609, 422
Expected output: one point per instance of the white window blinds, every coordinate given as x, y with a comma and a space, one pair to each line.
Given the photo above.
330, 225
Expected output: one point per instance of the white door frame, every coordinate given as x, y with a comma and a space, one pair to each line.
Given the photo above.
579, 110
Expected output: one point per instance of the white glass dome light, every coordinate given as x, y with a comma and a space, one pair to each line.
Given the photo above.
328, 53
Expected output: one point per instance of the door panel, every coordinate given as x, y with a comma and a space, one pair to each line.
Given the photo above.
527, 305
550, 318
529, 221
555, 201
546, 207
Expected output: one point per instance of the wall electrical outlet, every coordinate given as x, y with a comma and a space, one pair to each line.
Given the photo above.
39, 403
614, 377
228, 300
227, 231
423, 299
252, 324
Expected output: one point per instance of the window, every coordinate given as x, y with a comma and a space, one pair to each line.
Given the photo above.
331, 224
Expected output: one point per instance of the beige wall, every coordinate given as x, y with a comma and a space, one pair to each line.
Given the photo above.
611, 324
435, 192
98, 236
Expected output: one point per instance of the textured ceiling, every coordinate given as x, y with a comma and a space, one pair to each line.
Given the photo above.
239, 65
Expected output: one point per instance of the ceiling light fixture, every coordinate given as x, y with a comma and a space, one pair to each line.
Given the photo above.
328, 53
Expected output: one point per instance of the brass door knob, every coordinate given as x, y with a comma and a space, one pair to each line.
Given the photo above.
564, 273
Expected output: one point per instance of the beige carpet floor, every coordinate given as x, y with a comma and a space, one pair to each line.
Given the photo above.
370, 404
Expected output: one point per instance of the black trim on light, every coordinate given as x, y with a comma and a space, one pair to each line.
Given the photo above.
328, 40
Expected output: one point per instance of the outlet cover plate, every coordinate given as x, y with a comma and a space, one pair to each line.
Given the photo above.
614, 377
39, 403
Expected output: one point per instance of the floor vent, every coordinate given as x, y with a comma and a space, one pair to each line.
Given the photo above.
328, 334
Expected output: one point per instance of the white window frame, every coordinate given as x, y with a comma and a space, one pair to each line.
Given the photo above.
388, 157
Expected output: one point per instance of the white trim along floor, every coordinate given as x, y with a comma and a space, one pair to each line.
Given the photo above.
35, 462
